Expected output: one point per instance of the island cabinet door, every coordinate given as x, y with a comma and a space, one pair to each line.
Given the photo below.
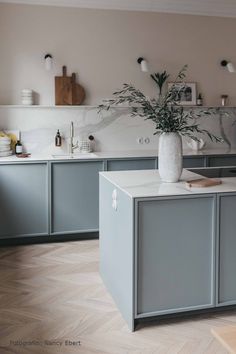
175, 255
227, 250
24, 200
74, 196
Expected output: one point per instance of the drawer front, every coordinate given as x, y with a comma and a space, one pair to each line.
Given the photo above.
218, 161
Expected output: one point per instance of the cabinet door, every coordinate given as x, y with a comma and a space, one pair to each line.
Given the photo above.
24, 200
217, 161
75, 190
228, 172
193, 162
131, 164
227, 250
175, 255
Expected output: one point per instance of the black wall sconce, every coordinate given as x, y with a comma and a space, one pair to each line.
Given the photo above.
143, 64
228, 65
48, 62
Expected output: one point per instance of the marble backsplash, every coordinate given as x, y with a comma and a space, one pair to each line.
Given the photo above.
113, 131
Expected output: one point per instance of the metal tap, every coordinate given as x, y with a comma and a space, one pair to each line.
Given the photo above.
72, 146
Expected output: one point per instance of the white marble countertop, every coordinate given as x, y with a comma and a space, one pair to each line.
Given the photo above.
114, 154
147, 183
208, 152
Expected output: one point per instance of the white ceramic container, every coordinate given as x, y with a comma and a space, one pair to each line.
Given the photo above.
196, 145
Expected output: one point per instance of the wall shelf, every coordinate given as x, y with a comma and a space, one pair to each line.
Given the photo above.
46, 107
96, 106
213, 107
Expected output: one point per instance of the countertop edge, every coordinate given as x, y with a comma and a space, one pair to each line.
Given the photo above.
110, 155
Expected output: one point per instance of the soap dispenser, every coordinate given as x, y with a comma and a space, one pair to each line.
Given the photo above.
199, 100
58, 138
18, 148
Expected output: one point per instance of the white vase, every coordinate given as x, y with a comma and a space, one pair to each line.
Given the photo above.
170, 157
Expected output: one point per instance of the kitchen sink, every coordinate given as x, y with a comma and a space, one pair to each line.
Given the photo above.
79, 155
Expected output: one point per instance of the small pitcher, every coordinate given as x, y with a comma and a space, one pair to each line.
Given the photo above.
196, 145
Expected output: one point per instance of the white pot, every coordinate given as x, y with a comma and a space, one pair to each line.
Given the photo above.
170, 157
196, 145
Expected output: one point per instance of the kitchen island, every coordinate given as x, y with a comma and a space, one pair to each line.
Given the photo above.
166, 248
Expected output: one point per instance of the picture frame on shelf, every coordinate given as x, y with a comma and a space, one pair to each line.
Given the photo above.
187, 93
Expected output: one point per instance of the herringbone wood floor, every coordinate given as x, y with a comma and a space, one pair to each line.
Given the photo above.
54, 292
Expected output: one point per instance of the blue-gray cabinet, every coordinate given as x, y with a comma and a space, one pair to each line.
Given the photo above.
169, 251
74, 196
214, 172
221, 160
132, 164
227, 172
175, 254
193, 161
24, 199
148, 163
64, 194
227, 250
208, 172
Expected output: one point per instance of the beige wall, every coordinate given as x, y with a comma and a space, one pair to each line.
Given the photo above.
102, 46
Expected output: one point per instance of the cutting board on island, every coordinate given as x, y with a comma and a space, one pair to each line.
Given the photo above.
203, 182
67, 91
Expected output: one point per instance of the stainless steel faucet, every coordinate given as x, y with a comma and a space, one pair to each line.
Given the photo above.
72, 146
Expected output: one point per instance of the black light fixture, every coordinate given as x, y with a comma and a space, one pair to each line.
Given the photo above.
143, 63
227, 64
48, 62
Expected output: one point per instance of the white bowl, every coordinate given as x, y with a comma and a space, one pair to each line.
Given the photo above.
27, 91
27, 102
5, 148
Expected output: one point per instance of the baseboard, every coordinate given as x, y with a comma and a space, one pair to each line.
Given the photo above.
48, 239
184, 315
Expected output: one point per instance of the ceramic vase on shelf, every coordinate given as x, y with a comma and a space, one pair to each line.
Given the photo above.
170, 157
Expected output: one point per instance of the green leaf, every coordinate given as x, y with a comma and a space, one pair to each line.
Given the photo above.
165, 112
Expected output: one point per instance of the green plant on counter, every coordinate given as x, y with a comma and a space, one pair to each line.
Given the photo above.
165, 111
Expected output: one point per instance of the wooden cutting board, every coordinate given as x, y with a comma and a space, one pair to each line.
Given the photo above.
79, 93
67, 91
63, 89
203, 182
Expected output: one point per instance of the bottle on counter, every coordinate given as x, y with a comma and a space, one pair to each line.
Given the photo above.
18, 148
224, 99
199, 100
58, 138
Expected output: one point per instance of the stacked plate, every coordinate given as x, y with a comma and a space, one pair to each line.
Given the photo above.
5, 146
27, 97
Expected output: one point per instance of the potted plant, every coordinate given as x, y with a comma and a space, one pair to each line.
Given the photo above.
171, 120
